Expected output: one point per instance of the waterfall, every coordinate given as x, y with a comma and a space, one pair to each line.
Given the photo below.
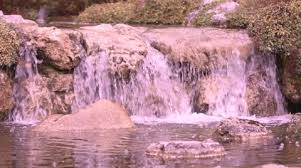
151, 92
29, 88
162, 89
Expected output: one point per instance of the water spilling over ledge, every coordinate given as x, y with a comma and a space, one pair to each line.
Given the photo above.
156, 73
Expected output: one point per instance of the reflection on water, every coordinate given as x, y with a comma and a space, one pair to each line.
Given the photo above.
19, 147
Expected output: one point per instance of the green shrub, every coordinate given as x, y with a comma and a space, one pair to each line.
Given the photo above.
165, 11
203, 20
237, 20
277, 28
119, 12
9, 45
152, 12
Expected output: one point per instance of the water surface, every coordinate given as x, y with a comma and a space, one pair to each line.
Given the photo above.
20, 147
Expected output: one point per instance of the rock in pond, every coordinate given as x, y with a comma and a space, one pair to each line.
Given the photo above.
103, 114
240, 130
186, 149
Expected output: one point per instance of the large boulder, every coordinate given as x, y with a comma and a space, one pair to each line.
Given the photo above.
240, 130
6, 101
124, 48
186, 149
100, 115
291, 77
59, 48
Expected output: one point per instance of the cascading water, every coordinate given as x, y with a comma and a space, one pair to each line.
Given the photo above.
267, 65
151, 92
27, 91
158, 91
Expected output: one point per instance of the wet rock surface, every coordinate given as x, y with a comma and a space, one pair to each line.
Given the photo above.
6, 89
293, 131
61, 49
124, 47
17, 20
100, 115
186, 149
240, 130
205, 48
291, 77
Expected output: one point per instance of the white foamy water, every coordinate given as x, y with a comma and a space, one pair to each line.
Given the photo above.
27, 92
151, 92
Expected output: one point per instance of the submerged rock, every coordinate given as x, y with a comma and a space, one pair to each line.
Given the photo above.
100, 115
6, 90
186, 149
239, 130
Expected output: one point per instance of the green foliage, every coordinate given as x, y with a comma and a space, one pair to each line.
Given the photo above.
152, 12
120, 12
9, 45
238, 20
203, 20
277, 28
165, 11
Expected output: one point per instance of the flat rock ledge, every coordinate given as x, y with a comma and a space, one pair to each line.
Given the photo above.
186, 149
241, 130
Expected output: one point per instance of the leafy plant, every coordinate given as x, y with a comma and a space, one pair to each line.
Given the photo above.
277, 28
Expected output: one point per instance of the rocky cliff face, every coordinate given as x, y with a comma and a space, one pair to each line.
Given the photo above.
142, 68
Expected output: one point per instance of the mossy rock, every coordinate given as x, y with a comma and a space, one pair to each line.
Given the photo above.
9, 45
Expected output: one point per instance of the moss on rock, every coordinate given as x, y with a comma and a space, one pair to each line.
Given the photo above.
9, 45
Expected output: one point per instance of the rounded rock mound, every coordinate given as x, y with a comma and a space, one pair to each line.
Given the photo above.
186, 149
103, 114
240, 130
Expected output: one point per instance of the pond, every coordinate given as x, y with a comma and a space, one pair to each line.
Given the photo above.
20, 147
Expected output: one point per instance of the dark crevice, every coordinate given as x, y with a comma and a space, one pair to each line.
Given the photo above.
293, 107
